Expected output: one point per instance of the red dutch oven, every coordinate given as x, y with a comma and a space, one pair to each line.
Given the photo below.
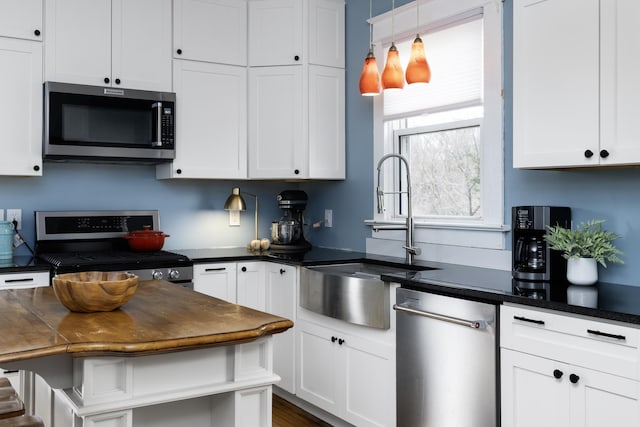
146, 240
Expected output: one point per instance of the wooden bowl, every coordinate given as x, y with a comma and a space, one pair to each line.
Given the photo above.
92, 291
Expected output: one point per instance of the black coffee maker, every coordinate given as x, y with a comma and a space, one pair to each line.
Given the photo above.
287, 234
535, 266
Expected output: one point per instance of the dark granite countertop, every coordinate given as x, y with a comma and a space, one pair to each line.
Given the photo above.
22, 264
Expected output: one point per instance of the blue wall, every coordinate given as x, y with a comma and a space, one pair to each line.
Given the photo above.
191, 211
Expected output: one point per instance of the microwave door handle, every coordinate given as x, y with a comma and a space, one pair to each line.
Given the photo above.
156, 137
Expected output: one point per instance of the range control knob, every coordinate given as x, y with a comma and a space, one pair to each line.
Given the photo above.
174, 274
157, 275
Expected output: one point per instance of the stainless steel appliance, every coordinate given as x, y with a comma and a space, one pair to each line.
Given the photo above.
446, 367
74, 241
104, 123
535, 266
287, 233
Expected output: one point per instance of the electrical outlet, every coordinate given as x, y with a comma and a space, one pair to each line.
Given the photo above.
328, 218
234, 218
15, 214
1, 214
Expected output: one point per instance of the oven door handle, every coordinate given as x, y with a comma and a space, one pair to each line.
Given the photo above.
474, 324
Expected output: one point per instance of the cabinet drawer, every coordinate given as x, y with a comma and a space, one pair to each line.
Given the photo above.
587, 342
31, 279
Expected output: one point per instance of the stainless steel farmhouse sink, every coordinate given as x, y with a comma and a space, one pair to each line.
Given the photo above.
352, 292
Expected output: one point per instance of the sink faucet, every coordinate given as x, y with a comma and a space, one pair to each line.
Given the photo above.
409, 246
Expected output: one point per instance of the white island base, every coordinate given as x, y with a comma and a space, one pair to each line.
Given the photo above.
219, 386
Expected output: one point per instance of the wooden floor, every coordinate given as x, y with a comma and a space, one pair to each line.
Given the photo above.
286, 414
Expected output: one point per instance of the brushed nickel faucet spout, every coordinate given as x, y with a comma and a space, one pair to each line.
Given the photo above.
409, 228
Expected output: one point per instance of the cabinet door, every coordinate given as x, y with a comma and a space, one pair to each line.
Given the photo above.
251, 290
620, 86
320, 367
21, 107
211, 127
326, 32
326, 123
531, 395
21, 19
210, 30
216, 280
275, 32
555, 83
370, 382
141, 50
281, 281
277, 135
78, 42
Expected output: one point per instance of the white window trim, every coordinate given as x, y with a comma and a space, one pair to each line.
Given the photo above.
488, 232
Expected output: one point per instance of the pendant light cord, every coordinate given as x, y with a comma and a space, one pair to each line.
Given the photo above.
370, 25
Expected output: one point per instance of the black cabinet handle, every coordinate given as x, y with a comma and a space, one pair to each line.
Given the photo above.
106, 80
604, 154
12, 371
117, 81
606, 334
524, 319
215, 269
26, 279
282, 271
36, 168
588, 154
334, 339
574, 378
340, 341
244, 269
179, 51
296, 58
36, 32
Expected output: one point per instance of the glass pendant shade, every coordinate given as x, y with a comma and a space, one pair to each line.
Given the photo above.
393, 76
370, 77
418, 70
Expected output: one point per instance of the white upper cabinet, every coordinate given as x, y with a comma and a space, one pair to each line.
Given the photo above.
21, 107
210, 31
575, 85
326, 33
109, 42
275, 32
211, 124
21, 19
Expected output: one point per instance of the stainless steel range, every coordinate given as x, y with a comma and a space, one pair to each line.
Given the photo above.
74, 241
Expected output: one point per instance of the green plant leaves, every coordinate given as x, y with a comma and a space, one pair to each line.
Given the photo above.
588, 240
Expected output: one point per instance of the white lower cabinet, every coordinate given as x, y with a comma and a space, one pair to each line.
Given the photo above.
347, 375
559, 370
216, 280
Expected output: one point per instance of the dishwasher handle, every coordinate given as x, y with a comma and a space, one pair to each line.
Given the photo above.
474, 324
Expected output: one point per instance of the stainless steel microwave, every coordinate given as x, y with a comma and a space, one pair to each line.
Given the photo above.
112, 124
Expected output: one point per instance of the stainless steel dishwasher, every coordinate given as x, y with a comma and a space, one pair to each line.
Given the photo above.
445, 361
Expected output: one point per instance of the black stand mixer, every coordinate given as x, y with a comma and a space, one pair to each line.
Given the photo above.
287, 234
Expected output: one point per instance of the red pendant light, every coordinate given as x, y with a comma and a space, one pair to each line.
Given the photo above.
370, 77
392, 76
418, 70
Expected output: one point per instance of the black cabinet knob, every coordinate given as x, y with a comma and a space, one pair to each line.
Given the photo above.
36, 168
296, 58
604, 154
340, 341
106, 80
282, 271
244, 269
117, 81
574, 378
178, 171
588, 154
334, 339
557, 373
36, 32
179, 51
297, 171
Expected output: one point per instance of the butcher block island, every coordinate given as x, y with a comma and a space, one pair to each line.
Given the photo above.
169, 356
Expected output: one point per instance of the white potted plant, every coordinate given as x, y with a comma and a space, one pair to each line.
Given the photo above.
584, 248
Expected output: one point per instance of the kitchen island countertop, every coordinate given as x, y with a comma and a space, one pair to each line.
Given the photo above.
161, 317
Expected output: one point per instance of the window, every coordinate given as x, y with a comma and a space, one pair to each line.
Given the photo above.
450, 130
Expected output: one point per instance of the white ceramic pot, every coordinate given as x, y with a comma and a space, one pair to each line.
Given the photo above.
582, 271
